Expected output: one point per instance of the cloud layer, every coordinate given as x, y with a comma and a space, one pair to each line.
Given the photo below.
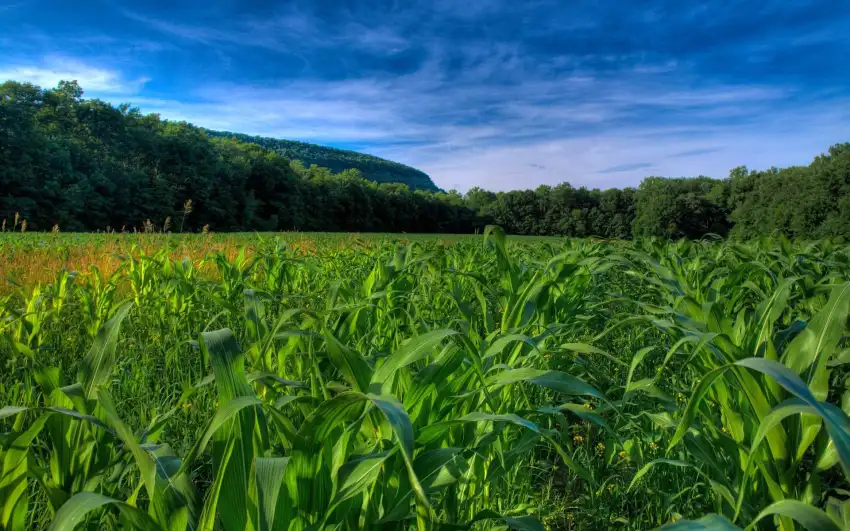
50, 70
481, 94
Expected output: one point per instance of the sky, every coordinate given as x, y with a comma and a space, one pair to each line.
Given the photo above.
501, 94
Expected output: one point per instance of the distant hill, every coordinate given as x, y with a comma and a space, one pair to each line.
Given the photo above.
337, 160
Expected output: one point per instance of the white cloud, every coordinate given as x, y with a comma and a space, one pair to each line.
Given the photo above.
52, 69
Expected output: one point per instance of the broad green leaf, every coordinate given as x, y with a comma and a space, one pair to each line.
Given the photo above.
228, 364
9, 411
809, 517
14, 498
497, 346
207, 521
837, 423
555, 380
165, 497
693, 404
792, 406
272, 502
810, 352
395, 413
441, 467
331, 415
75, 510
413, 350
434, 469
96, 367
647, 467
584, 348
432, 432
223, 415
636, 359
356, 475
521, 523
350, 364
821, 335
255, 314
709, 522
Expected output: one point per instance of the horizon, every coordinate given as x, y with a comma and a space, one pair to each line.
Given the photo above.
483, 95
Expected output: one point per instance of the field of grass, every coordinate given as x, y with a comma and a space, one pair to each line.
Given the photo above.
340, 381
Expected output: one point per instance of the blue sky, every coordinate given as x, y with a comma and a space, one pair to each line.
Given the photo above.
502, 94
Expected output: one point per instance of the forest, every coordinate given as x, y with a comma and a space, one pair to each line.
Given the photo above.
338, 160
78, 164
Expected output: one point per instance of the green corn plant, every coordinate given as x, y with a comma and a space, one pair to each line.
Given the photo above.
730, 429
233, 275
97, 297
79, 455
357, 459
402, 381
805, 403
142, 273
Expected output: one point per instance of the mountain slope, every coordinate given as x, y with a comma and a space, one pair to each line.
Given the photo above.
372, 168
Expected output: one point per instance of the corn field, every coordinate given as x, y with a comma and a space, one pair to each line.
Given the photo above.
290, 382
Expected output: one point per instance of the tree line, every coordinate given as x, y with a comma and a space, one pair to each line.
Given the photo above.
372, 168
85, 165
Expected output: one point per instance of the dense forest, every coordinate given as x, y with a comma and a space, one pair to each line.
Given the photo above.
84, 164
338, 160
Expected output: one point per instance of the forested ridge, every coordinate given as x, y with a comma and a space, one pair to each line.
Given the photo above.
84, 164
371, 168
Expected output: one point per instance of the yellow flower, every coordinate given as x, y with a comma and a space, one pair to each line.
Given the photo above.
578, 439
570, 516
653, 446
600, 448
622, 454
723, 429
547, 356
588, 405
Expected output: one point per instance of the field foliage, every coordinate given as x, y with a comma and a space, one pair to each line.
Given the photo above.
342, 381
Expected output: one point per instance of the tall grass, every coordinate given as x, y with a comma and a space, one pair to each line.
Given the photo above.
380, 382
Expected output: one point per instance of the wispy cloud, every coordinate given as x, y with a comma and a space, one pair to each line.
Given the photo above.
288, 30
694, 152
627, 167
184, 31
